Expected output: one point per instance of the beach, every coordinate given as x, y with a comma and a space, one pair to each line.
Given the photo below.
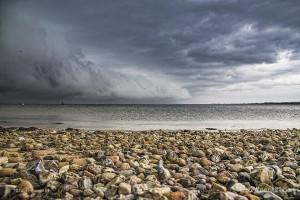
154, 164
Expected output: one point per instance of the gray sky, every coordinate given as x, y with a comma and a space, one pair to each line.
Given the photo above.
138, 51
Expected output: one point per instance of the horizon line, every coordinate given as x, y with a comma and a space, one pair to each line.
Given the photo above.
65, 104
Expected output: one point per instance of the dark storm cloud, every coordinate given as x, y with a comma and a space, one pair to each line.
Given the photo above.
146, 50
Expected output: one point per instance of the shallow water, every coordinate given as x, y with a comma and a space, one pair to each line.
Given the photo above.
142, 117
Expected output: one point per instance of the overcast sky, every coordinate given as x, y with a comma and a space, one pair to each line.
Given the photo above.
154, 51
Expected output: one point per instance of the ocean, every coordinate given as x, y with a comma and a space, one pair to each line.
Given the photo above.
145, 117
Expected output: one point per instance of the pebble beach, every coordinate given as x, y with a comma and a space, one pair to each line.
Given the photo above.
159, 164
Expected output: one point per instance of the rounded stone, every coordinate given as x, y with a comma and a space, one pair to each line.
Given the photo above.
25, 186
124, 188
125, 166
7, 171
3, 160
178, 195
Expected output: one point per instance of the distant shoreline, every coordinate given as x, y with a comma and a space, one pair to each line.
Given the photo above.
199, 131
146, 104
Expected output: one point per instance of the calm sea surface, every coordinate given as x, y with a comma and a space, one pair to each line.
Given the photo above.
142, 117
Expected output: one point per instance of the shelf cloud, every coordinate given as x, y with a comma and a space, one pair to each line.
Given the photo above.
138, 51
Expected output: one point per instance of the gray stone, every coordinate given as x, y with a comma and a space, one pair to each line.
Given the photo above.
163, 173
86, 183
267, 195
238, 187
198, 153
139, 188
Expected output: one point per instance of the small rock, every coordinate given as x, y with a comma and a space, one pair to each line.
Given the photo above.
35, 166
244, 177
186, 181
7, 171
22, 195
178, 195
124, 188
107, 176
261, 175
139, 188
251, 196
88, 192
198, 153
46, 176
99, 189
125, 166
86, 183
238, 187
79, 161
25, 186
286, 183
68, 196
163, 173
111, 191
7, 191
115, 181
235, 167
181, 162
64, 169
90, 160
53, 185
133, 180
218, 187
268, 195
114, 158
205, 162
76, 192
3, 160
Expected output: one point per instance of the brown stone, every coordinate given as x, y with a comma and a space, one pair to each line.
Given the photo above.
219, 187
7, 171
15, 159
25, 186
205, 162
114, 158
176, 195
251, 196
79, 161
263, 175
3, 160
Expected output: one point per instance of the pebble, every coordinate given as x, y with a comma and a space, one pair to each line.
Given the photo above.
198, 153
99, 189
261, 175
218, 187
7, 171
64, 169
163, 173
154, 164
140, 188
124, 188
178, 195
111, 192
3, 160
47, 176
86, 183
107, 176
7, 191
268, 195
25, 186
125, 166
235, 167
238, 187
